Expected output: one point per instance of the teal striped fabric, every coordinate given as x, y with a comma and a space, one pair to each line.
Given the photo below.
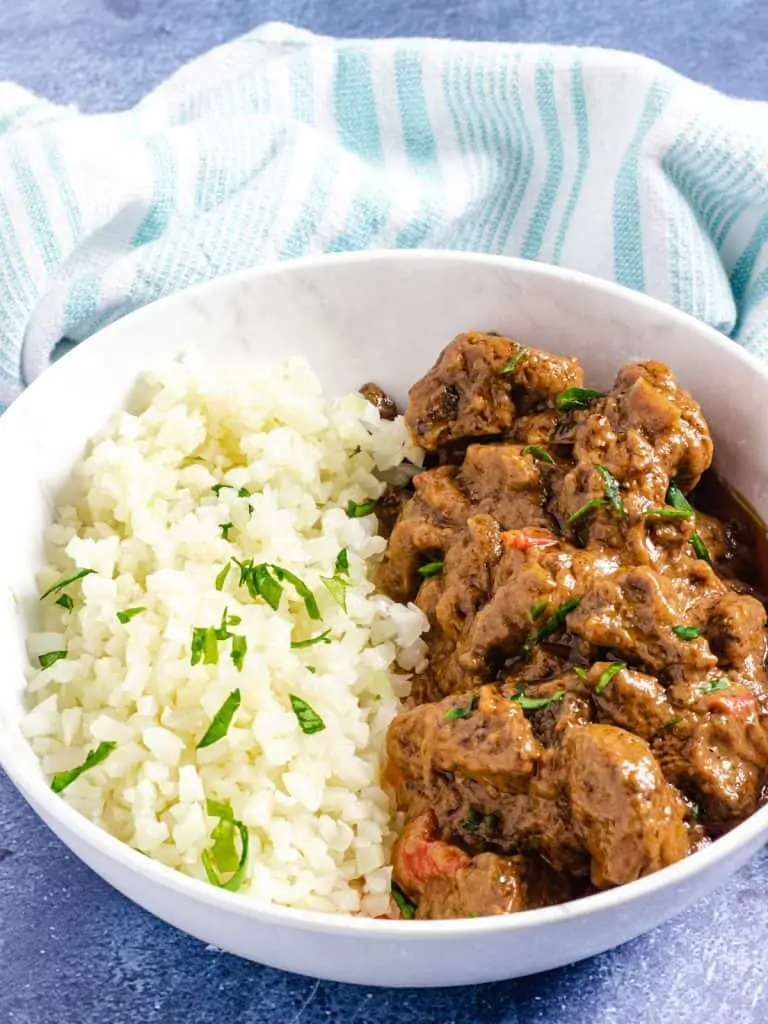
283, 144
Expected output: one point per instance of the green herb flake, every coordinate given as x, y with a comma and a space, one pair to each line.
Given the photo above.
321, 638
196, 647
66, 602
538, 453
577, 398
678, 500
687, 632
312, 669
341, 565
129, 613
714, 685
309, 720
700, 548
223, 853
221, 721
672, 722
695, 811
337, 588
218, 488
210, 646
588, 507
261, 583
582, 673
537, 609
404, 905
221, 579
356, 510
225, 528
534, 703
463, 712
472, 821
65, 582
489, 822
301, 588
607, 675
46, 660
511, 365
612, 491
668, 513
61, 780
243, 492
552, 624
431, 569
238, 652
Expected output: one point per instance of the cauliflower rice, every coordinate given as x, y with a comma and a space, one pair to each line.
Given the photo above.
142, 510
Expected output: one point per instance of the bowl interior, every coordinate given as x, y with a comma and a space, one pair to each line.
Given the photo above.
381, 317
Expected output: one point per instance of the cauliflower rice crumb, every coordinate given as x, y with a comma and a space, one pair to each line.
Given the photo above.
141, 511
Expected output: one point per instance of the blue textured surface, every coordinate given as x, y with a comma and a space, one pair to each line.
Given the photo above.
74, 952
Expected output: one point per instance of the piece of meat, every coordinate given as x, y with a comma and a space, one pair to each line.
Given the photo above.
646, 420
632, 700
629, 818
543, 376
500, 481
482, 736
380, 400
423, 531
465, 394
736, 634
634, 614
491, 885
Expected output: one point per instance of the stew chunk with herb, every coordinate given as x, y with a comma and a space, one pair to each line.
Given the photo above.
595, 703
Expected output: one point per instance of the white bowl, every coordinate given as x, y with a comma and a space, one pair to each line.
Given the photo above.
382, 317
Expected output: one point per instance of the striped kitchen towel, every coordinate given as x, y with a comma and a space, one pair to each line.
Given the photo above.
282, 144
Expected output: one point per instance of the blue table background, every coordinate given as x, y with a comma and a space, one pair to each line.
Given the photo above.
74, 952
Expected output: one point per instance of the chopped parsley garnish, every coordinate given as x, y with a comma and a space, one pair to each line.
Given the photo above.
687, 632
341, 566
552, 624
714, 685
404, 905
607, 675
678, 500
225, 528
243, 492
356, 510
237, 654
205, 645
61, 780
223, 854
46, 660
612, 492
472, 821
489, 822
695, 811
577, 398
337, 588
582, 673
669, 513
221, 579
66, 602
533, 703
431, 569
218, 488
308, 718
511, 365
594, 503
129, 613
221, 721
465, 711
538, 453
672, 722
66, 580
321, 638
264, 580
537, 609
